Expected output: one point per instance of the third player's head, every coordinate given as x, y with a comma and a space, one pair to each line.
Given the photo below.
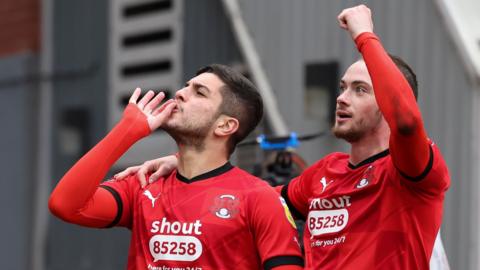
218, 104
357, 113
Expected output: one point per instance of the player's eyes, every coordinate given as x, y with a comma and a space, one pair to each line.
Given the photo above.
200, 93
361, 89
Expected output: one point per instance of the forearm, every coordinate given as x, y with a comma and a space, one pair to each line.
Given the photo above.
76, 190
394, 95
395, 98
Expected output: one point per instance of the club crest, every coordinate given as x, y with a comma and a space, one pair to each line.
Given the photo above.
367, 177
225, 206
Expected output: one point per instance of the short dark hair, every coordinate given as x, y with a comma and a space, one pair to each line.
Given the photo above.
407, 72
241, 100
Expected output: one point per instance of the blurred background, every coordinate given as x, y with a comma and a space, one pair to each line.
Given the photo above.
67, 69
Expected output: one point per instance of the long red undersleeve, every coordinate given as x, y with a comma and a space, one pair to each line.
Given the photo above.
409, 145
77, 198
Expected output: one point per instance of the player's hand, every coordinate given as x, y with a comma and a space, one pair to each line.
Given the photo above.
356, 20
149, 104
157, 167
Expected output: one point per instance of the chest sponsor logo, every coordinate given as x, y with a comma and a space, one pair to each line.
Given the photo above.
175, 241
328, 242
325, 183
149, 195
327, 221
328, 215
183, 248
330, 203
225, 206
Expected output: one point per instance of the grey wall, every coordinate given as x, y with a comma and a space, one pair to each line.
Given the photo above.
207, 37
18, 93
80, 37
289, 34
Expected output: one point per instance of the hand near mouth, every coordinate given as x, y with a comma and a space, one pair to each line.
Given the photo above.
149, 104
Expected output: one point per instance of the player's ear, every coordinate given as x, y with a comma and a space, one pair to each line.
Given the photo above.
226, 125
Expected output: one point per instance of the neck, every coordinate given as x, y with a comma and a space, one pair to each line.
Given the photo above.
193, 162
369, 145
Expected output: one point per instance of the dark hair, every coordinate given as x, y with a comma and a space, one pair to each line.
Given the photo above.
407, 72
241, 100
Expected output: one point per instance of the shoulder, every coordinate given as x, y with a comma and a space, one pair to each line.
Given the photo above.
434, 179
251, 186
436, 173
129, 182
245, 178
333, 159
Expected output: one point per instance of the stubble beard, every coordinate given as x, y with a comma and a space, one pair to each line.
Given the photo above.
189, 134
351, 135
357, 130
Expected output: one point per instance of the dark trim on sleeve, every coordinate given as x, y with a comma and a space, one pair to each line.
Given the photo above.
283, 260
424, 173
118, 199
296, 214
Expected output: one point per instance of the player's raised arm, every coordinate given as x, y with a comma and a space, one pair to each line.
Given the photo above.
77, 198
409, 145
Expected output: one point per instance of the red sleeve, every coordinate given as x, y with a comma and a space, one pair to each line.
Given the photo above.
278, 189
409, 145
296, 198
77, 198
123, 191
275, 232
297, 191
436, 181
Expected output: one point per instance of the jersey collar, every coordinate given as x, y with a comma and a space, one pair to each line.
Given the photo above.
215, 172
369, 160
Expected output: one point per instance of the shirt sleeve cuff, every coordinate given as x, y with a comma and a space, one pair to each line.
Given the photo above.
283, 260
295, 212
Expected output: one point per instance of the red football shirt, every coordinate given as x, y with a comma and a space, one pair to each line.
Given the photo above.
224, 219
368, 216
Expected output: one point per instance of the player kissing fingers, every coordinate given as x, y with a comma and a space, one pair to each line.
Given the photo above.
149, 104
